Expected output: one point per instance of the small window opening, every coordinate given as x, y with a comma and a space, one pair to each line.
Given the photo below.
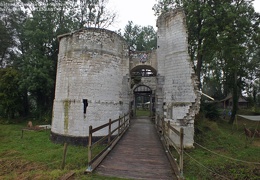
85, 105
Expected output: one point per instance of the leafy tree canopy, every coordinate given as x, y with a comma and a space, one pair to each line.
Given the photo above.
29, 48
140, 38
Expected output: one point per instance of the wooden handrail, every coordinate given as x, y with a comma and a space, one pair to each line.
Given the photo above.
93, 162
165, 129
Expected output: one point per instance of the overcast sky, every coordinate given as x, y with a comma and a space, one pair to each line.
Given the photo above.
140, 12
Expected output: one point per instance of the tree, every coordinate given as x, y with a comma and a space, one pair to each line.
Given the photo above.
7, 40
235, 37
163, 6
140, 38
92, 13
10, 99
37, 62
5, 44
29, 46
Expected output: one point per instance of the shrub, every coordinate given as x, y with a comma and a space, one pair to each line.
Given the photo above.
210, 110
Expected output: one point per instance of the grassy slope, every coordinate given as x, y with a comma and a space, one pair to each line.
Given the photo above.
229, 154
36, 157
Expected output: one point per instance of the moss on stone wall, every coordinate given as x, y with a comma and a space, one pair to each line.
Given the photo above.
66, 106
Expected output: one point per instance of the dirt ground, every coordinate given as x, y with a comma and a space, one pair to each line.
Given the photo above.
20, 169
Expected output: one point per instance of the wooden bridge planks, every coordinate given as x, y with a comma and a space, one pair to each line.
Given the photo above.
138, 155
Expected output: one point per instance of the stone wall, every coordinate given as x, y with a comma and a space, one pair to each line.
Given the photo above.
146, 59
177, 86
93, 69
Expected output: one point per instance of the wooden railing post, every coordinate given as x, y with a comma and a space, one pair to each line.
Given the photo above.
181, 151
163, 127
119, 123
89, 148
64, 156
128, 119
168, 128
109, 132
168, 134
124, 121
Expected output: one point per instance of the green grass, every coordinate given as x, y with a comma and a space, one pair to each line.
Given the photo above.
36, 157
142, 112
226, 153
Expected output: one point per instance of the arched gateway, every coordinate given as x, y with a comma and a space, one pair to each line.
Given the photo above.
98, 78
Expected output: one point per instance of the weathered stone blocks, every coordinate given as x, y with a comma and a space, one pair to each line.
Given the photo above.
91, 83
181, 100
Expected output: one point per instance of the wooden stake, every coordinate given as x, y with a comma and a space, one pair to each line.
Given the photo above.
64, 155
109, 131
181, 151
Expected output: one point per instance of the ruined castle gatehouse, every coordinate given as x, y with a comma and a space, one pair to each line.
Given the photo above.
95, 75
143, 71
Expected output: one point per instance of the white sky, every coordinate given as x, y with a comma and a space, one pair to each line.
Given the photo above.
140, 12
257, 5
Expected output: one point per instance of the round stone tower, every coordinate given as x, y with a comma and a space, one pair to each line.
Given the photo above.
92, 83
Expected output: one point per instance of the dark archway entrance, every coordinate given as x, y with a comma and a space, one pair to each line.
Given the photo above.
143, 104
143, 101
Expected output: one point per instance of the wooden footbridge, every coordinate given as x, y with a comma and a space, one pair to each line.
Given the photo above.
141, 152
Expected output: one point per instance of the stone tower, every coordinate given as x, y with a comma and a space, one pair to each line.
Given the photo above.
91, 84
177, 84
94, 74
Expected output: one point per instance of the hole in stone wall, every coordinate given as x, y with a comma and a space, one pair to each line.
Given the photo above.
85, 105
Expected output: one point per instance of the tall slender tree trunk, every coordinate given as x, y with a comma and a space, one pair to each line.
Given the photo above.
199, 50
235, 99
199, 65
26, 104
